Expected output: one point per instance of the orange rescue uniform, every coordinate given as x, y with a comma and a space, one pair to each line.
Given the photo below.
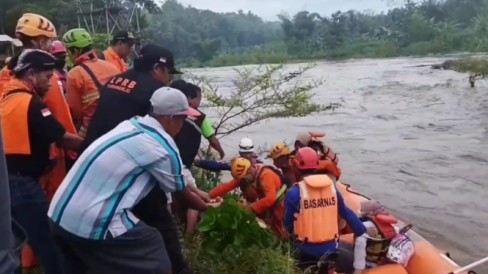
14, 109
262, 197
5, 76
55, 101
329, 167
82, 92
318, 206
112, 57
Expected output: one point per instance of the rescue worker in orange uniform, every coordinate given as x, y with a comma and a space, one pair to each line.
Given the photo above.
58, 50
37, 32
312, 208
29, 128
328, 160
262, 187
121, 47
86, 79
282, 159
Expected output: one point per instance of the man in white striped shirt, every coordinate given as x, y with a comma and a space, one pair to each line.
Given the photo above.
91, 214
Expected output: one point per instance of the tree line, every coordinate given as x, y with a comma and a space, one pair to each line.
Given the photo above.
431, 26
204, 37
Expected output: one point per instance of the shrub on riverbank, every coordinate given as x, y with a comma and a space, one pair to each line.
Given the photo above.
478, 66
230, 240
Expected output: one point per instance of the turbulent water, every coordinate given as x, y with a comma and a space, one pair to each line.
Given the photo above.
414, 138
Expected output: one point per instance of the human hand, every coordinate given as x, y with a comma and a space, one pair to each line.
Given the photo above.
215, 203
372, 232
204, 196
196, 162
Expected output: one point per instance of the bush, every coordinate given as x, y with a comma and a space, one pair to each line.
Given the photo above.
230, 240
366, 48
421, 48
101, 40
473, 65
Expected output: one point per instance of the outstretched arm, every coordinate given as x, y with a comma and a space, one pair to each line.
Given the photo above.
215, 143
212, 165
224, 188
351, 218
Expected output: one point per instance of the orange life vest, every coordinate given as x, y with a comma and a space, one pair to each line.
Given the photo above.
253, 190
61, 76
377, 247
327, 166
14, 107
317, 220
5, 76
112, 57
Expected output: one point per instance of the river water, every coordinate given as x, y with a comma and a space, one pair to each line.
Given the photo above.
412, 137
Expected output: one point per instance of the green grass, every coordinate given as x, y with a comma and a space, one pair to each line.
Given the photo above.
472, 65
253, 260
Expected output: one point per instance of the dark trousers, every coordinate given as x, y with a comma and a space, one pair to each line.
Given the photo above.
29, 208
154, 212
140, 250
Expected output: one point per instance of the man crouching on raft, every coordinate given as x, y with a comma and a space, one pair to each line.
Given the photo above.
312, 208
263, 187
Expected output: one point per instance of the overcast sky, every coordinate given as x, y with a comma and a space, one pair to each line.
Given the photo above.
268, 9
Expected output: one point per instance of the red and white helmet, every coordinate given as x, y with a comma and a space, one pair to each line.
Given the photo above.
306, 158
58, 47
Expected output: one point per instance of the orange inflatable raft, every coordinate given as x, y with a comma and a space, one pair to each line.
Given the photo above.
427, 258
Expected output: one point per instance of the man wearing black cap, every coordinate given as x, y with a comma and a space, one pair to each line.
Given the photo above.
28, 129
123, 97
120, 49
127, 94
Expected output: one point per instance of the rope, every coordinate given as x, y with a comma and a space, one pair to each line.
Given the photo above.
348, 189
470, 266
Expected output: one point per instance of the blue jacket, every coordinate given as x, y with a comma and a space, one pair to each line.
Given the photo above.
213, 165
216, 166
292, 206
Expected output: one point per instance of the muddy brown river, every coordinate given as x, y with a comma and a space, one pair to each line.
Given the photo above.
412, 137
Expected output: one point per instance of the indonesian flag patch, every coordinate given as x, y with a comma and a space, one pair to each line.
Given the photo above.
45, 112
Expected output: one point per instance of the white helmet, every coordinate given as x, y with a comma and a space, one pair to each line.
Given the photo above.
246, 145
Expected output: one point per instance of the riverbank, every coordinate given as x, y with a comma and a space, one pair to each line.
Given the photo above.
468, 61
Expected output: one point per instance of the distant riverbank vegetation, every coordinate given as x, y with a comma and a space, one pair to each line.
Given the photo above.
207, 38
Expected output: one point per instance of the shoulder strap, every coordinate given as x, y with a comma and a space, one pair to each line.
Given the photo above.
15, 91
92, 76
100, 55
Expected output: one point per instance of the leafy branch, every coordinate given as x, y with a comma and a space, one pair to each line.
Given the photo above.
261, 93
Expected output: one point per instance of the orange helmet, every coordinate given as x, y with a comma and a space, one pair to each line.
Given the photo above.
239, 167
279, 150
33, 25
306, 158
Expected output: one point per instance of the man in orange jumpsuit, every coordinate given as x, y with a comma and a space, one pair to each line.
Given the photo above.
262, 187
37, 32
120, 49
86, 79
328, 160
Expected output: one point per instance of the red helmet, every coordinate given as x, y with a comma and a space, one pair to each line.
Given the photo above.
58, 47
306, 158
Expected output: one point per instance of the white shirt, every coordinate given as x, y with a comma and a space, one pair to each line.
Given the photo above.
360, 246
113, 174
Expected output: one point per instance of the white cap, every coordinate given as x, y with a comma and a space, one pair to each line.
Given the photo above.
170, 101
246, 145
